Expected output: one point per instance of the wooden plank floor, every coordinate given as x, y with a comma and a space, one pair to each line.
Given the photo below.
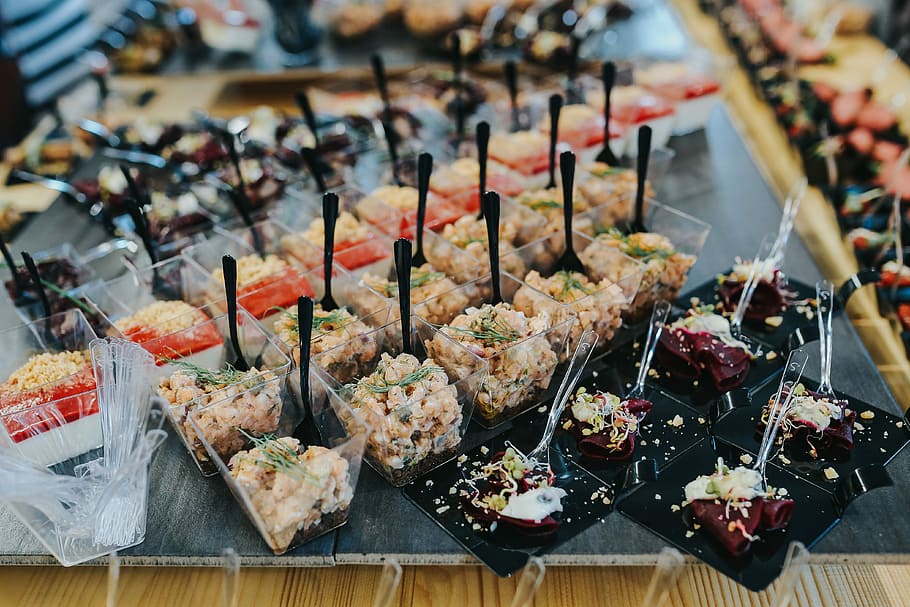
821, 586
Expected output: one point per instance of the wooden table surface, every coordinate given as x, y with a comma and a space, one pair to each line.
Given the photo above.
829, 585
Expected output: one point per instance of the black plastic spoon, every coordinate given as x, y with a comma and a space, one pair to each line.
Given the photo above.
19, 283
608, 77
569, 260
329, 216
403, 269
424, 170
42, 295
312, 163
573, 92
482, 134
644, 154
303, 102
490, 203
555, 107
229, 268
140, 198
393, 151
307, 430
382, 84
512, 83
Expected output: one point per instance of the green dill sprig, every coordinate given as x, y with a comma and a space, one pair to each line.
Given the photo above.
540, 205
277, 456
609, 171
418, 279
571, 282
335, 317
384, 386
491, 329
207, 377
633, 250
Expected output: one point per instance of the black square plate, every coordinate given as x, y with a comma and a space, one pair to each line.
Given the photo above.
881, 439
649, 505
588, 501
658, 439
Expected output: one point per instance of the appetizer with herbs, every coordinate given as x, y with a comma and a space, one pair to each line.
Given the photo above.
415, 413
426, 287
521, 359
771, 295
470, 235
601, 184
665, 268
700, 347
604, 425
331, 329
731, 506
225, 403
459, 182
298, 492
526, 152
597, 306
513, 495
814, 426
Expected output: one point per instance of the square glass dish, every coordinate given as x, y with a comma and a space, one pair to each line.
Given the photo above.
521, 352
150, 305
264, 282
48, 403
596, 304
418, 408
668, 250
293, 490
235, 400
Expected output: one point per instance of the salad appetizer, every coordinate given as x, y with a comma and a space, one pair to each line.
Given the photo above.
601, 184
355, 244
596, 306
700, 347
298, 491
263, 284
459, 181
226, 404
349, 339
416, 413
521, 359
665, 268
49, 406
426, 286
470, 234
733, 508
171, 328
604, 425
511, 494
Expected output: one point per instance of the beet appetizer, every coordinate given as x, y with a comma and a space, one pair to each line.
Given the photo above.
771, 295
604, 425
731, 506
814, 426
700, 346
512, 495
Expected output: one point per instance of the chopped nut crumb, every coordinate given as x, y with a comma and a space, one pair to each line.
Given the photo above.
774, 321
867, 414
676, 422
690, 533
745, 458
442, 509
771, 355
831, 473
484, 450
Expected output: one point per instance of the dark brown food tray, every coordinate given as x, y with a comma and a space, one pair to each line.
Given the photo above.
192, 519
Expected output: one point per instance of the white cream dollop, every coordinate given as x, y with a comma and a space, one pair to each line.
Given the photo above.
534, 505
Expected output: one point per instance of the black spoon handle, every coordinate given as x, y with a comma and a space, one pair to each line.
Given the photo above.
555, 107
303, 102
491, 214
424, 170
36, 280
229, 268
457, 59
608, 76
305, 334
18, 282
231, 144
403, 270
393, 149
138, 195
567, 171
312, 162
512, 83
329, 216
381, 81
644, 154
483, 144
